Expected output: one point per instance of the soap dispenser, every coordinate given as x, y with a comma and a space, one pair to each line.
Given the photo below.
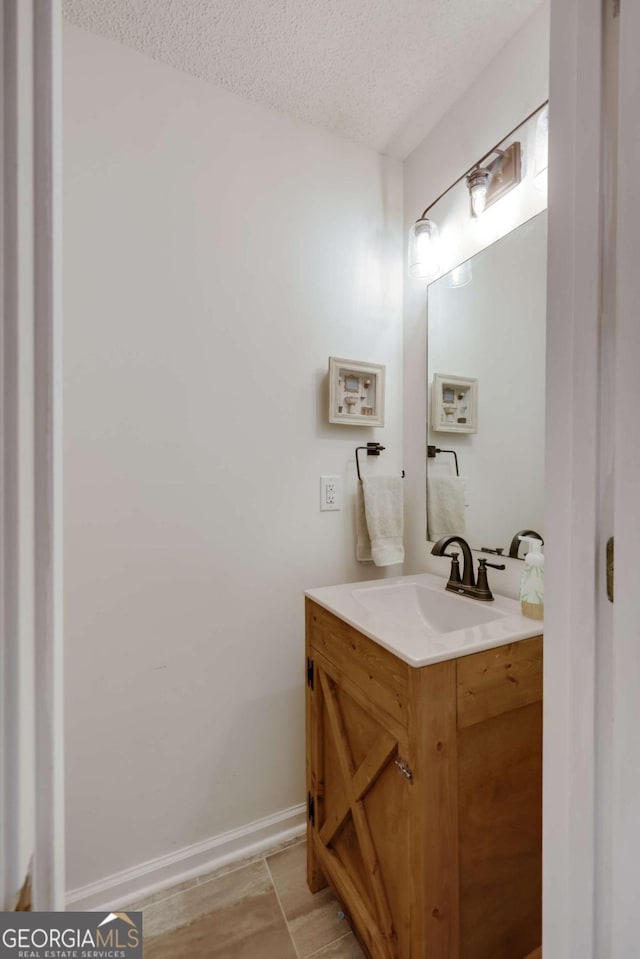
532, 583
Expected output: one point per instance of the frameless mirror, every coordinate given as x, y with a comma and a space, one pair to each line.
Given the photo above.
486, 392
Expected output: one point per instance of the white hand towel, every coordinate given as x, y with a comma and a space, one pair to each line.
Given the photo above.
363, 542
385, 520
445, 506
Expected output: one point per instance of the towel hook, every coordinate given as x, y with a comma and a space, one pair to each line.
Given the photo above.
372, 449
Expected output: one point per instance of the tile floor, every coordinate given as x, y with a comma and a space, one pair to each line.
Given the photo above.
261, 910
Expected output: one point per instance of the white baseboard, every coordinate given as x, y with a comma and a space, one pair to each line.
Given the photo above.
124, 888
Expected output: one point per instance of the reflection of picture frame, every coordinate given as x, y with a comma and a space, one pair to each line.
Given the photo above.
454, 404
356, 392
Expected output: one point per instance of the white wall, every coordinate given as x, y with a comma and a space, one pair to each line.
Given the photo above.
216, 253
514, 84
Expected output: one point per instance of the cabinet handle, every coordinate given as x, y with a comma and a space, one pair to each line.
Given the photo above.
403, 766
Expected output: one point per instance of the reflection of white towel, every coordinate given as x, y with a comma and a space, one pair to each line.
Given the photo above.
384, 516
363, 542
445, 506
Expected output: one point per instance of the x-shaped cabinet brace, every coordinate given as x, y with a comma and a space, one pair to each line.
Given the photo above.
356, 784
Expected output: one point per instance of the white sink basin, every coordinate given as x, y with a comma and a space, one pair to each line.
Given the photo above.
420, 622
416, 604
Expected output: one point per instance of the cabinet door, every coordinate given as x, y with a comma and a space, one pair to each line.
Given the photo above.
359, 836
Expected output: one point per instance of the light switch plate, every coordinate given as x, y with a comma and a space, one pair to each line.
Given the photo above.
330, 493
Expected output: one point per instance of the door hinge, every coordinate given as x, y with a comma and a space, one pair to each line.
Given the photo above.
311, 809
403, 766
616, 8
610, 569
309, 673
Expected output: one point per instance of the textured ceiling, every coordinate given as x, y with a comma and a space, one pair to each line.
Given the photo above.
381, 72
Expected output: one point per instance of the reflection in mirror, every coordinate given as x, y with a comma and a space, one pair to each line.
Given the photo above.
486, 364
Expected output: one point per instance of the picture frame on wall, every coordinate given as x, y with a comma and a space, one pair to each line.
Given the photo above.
356, 392
454, 404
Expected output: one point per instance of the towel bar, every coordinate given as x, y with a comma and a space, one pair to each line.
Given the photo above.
432, 450
372, 449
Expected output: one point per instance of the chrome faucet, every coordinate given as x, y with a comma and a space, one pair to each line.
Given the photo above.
515, 542
466, 585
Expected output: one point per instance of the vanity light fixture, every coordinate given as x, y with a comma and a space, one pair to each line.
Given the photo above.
489, 183
424, 249
478, 184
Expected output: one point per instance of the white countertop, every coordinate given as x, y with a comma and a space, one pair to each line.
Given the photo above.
420, 622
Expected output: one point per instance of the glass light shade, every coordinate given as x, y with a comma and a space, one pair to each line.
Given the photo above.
541, 164
461, 275
424, 250
478, 199
478, 184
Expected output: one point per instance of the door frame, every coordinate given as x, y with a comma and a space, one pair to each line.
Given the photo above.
31, 729
572, 468
592, 648
623, 721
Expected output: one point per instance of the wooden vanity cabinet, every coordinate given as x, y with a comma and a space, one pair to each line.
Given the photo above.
425, 794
